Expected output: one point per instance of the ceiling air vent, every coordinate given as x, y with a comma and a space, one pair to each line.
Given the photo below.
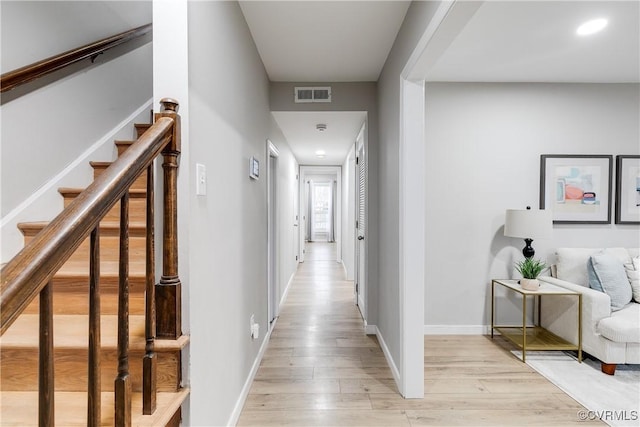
313, 94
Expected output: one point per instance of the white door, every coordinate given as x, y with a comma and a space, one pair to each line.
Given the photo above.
303, 209
296, 222
272, 202
360, 270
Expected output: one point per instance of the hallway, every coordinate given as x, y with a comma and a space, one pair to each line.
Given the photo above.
320, 366
321, 370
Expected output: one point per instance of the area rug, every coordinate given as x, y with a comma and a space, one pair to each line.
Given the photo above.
612, 399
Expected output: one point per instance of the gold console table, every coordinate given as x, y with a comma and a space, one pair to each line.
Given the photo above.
535, 337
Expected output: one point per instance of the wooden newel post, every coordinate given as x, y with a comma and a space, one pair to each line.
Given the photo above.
168, 291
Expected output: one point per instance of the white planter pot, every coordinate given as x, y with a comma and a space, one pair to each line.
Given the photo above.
530, 284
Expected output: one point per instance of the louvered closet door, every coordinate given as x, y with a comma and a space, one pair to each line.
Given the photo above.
361, 223
361, 193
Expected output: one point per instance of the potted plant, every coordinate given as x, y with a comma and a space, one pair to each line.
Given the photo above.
530, 269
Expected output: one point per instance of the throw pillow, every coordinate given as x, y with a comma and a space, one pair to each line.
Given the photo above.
607, 274
571, 262
633, 274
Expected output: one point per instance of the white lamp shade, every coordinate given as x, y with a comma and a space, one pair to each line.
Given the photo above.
528, 224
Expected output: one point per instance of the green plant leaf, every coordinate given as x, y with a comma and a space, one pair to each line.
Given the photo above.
530, 268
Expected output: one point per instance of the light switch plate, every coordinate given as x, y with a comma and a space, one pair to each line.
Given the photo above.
201, 180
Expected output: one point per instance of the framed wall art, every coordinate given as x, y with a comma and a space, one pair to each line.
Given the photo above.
577, 188
627, 189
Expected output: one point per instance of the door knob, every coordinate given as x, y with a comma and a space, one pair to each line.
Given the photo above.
360, 237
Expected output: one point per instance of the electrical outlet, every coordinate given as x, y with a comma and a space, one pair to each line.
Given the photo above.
254, 328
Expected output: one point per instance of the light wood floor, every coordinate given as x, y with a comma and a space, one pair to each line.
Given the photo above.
320, 369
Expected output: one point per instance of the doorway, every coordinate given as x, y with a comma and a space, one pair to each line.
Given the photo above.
320, 208
272, 232
322, 211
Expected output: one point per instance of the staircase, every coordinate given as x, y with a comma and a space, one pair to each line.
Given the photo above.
21, 344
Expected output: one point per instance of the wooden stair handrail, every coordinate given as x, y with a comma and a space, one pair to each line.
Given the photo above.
20, 76
34, 266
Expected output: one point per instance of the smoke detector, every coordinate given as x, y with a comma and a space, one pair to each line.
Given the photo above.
321, 127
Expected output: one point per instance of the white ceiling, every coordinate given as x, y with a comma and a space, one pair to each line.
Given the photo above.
324, 41
491, 41
536, 41
300, 130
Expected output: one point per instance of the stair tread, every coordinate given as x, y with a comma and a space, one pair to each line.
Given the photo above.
71, 331
100, 164
20, 408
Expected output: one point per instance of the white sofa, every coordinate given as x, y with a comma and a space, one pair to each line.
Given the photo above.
613, 337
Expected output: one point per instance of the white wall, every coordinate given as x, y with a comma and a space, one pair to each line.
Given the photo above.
47, 28
348, 213
484, 143
229, 122
171, 80
45, 130
418, 16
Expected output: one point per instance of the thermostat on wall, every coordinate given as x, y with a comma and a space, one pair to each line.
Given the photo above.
254, 168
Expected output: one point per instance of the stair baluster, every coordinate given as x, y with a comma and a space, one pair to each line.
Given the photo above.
46, 406
31, 273
149, 365
123, 380
94, 410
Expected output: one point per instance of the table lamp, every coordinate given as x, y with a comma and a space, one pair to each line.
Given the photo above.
528, 224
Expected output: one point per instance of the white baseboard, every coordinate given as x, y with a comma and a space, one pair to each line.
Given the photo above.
46, 203
344, 267
370, 329
361, 301
286, 290
387, 355
237, 409
457, 329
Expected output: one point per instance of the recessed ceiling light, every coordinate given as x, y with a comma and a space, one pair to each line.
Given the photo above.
320, 153
591, 27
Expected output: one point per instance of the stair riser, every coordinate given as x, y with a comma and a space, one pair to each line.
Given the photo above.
78, 303
122, 148
20, 370
137, 209
141, 128
109, 249
108, 285
123, 145
139, 184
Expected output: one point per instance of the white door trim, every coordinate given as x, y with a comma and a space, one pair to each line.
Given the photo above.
412, 242
311, 170
412, 239
272, 233
360, 276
